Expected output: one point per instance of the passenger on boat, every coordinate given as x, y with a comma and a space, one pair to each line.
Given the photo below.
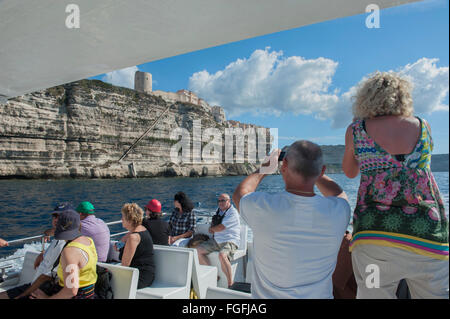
77, 268
138, 249
344, 283
182, 221
226, 231
94, 228
3, 243
158, 228
399, 222
296, 233
44, 263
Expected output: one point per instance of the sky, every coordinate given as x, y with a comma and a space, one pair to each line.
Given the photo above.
302, 81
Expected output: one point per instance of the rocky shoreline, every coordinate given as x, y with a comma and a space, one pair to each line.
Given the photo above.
81, 130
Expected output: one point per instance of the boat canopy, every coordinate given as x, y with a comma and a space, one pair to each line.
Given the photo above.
42, 45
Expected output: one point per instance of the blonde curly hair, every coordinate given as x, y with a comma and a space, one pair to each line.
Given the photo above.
384, 93
133, 214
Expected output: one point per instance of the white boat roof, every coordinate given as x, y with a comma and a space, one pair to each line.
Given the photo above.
38, 51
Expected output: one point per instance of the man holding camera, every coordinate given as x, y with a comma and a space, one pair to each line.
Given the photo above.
296, 232
225, 229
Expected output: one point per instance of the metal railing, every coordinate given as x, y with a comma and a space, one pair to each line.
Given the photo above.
43, 240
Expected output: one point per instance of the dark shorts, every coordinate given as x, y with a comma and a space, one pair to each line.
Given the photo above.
16, 291
46, 287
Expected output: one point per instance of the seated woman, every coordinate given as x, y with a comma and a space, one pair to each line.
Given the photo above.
158, 228
138, 250
182, 222
77, 269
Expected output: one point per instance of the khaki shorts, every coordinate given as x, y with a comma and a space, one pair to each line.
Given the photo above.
227, 248
426, 277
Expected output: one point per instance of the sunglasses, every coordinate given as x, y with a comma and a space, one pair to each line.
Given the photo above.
222, 200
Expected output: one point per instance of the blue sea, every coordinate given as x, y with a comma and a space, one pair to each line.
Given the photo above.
25, 205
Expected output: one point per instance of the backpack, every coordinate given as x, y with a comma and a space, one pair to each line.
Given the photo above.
217, 219
103, 289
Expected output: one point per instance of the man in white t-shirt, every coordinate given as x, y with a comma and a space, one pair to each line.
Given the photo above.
43, 264
296, 233
226, 232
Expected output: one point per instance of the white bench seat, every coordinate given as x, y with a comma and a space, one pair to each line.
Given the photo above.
26, 274
173, 274
224, 293
160, 290
124, 280
203, 276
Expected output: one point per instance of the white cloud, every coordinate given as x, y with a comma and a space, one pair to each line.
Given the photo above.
430, 90
269, 83
123, 77
430, 85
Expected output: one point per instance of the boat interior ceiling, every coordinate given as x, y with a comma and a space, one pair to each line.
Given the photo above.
41, 45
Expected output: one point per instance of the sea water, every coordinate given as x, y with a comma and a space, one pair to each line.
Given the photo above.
25, 205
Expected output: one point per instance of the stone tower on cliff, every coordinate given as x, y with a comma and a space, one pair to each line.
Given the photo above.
143, 82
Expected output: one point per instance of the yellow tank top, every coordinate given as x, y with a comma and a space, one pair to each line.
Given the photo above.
88, 274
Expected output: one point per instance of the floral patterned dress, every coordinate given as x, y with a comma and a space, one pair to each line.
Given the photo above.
398, 204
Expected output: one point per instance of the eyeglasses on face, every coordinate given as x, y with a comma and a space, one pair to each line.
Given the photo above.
222, 200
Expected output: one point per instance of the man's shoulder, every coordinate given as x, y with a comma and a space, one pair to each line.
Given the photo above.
93, 225
259, 202
336, 206
333, 201
258, 196
233, 210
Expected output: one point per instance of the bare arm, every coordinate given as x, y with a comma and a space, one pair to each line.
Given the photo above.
38, 260
248, 185
217, 228
350, 165
70, 260
328, 187
130, 248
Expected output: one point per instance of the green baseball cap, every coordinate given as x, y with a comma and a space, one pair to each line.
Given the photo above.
85, 208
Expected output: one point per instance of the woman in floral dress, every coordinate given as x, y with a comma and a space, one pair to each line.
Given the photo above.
400, 229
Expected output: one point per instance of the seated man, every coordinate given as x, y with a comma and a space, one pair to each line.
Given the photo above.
226, 230
95, 228
296, 233
44, 263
